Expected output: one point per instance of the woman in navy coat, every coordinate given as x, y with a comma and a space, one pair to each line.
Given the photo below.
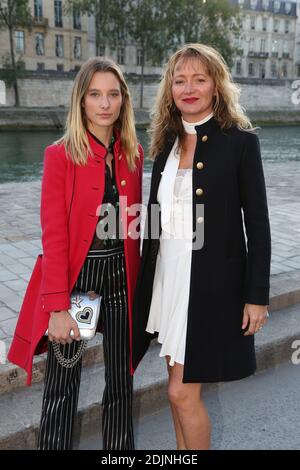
227, 293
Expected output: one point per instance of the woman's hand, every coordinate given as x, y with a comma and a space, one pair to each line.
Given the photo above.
256, 316
60, 325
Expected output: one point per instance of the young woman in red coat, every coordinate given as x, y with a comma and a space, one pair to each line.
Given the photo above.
95, 168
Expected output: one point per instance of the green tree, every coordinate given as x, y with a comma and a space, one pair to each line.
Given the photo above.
143, 22
149, 25
159, 27
211, 22
109, 16
13, 14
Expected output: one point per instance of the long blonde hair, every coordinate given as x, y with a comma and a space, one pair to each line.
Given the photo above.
166, 118
75, 137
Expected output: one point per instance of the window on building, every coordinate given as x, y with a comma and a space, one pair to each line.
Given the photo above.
77, 48
288, 7
39, 44
58, 19
139, 57
240, 45
238, 68
250, 69
286, 26
252, 22
265, 4
276, 26
76, 19
121, 55
285, 49
262, 70
264, 23
251, 45
253, 4
19, 42
38, 8
276, 6
274, 69
59, 45
60, 67
40, 66
284, 70
77, 68
274, 48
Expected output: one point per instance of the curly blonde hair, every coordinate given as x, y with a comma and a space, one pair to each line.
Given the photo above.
166, 117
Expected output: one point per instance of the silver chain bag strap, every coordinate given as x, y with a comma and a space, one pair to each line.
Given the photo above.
85, 310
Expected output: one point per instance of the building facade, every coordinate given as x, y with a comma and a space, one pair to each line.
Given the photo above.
269, 44
57, 40
266, 66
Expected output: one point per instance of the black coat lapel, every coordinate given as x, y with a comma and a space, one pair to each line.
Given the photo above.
158, 167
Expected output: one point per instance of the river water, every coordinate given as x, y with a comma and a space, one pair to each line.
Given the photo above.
21, 152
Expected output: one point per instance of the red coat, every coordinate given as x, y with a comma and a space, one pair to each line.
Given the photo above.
70, 197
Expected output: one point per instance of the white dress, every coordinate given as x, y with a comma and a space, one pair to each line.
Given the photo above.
171, 285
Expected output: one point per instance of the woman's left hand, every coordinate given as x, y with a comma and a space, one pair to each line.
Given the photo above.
256, 316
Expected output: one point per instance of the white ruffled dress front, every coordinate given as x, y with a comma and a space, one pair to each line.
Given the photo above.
169, 306
171, 286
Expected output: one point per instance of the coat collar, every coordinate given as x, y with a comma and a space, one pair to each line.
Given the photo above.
207, 127
99, 150
189, 127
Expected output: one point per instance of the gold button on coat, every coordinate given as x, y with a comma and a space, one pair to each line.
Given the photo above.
200, 165
199, 192
123, 183
204, 138
200, 220
120, 156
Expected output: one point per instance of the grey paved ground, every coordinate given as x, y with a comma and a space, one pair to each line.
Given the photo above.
258, 413
20, 234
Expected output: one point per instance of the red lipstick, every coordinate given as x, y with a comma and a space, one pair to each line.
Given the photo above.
190, 100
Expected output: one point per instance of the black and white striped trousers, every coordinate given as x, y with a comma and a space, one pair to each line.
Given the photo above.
103, 272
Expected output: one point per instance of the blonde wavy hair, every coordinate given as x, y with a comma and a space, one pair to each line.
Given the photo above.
166, 117
75, 137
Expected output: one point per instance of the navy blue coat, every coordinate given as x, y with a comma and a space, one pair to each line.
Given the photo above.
230, 269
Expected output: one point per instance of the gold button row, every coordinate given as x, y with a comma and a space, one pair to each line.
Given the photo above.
199, 191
